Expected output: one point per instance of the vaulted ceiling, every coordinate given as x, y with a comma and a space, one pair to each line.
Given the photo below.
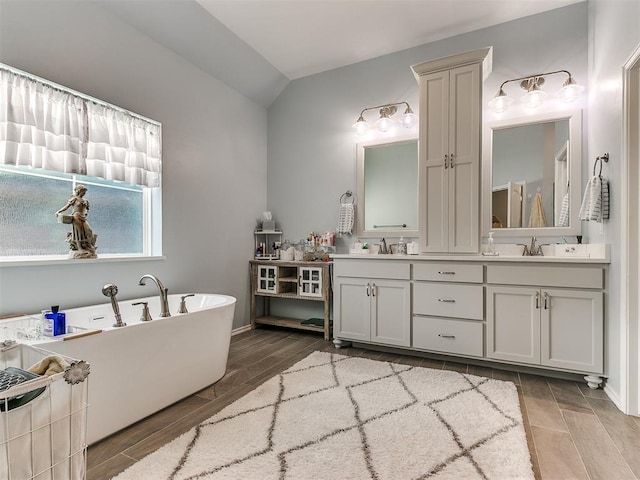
258, 46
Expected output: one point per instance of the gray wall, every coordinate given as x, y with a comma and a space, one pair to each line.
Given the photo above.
614, 34
312, 149
214, 162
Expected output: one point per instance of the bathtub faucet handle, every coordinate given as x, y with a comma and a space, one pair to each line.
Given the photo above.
146, 316
183, 303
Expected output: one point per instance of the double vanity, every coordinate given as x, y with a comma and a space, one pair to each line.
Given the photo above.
516, 178
538, 311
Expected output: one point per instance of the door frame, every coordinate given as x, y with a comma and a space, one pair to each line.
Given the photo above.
630, 332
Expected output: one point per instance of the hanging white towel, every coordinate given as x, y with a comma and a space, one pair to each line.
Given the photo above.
595, 203
345, 219
563, 221
537, 217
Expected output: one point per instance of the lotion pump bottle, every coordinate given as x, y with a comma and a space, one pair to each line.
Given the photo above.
491, 249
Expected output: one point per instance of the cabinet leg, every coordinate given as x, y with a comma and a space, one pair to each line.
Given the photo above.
593, 381
337, 343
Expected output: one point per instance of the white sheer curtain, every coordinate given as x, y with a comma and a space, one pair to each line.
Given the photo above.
122, 147
40, 126
46, 126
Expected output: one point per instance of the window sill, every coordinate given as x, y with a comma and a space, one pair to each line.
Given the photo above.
64, 260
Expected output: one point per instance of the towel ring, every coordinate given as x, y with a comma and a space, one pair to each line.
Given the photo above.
603, 158
348, 194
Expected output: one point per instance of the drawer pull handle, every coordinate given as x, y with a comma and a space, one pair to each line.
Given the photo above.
546, 301
444, 335
446, 160
446, 300
537, 300
447, 273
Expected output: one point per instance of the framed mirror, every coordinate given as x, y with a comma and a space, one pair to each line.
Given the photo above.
387, 176
532, 174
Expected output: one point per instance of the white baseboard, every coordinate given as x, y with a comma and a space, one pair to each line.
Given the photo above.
244, 328
615, 398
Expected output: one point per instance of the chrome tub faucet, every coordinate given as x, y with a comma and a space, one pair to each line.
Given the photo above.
164, 303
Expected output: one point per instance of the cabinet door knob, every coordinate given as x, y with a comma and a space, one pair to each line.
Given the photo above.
368, 289
451, 160
444, 335
373, 290
446, 160
446, 300
537, 299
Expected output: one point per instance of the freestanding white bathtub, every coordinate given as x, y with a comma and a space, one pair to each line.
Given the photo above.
141, 368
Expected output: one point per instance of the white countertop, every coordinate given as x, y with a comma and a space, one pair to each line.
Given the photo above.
589, 253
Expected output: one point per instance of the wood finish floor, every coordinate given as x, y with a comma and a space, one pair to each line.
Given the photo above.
573, 432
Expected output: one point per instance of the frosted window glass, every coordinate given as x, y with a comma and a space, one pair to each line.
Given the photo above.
28, 225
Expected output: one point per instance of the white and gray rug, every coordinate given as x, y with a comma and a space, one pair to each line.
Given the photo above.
336, 417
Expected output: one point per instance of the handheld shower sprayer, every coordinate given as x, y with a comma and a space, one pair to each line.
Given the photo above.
110, 290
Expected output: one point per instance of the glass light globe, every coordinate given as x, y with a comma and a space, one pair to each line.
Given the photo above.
409, 118
570, 92
534, 98
361, 126
500, 103
384, 124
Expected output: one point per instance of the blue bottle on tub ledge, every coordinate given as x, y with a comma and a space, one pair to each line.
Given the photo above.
55, 322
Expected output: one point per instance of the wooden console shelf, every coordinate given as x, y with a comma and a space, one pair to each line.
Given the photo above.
290, 280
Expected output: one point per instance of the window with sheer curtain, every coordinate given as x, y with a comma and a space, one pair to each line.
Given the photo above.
52, 138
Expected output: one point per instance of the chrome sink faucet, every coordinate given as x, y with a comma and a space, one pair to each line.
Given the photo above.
533, 250
164, 303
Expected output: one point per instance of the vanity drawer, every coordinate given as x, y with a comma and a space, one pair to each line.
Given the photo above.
391, 269
448, 336
447, 300
548, 276
448, 272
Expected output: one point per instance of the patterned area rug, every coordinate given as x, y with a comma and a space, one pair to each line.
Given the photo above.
336, 417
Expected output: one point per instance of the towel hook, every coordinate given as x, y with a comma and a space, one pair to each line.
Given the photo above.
348, 194
602, 158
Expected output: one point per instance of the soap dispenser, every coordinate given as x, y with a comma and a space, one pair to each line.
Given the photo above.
402, 246
491, 248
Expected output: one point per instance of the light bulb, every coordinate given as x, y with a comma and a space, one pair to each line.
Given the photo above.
361, 126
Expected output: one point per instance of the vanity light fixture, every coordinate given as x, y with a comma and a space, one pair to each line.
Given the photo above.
385, 122
535, 96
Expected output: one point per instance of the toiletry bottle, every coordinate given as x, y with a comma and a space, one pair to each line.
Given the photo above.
491, 249
55, 322
402, 246
59, 321
47, 323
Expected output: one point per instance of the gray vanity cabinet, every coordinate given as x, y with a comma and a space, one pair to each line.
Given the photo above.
372, 302
554, 327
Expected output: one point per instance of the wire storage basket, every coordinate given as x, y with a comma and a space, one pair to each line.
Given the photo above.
43, 418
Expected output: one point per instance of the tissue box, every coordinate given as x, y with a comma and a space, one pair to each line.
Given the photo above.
269, 225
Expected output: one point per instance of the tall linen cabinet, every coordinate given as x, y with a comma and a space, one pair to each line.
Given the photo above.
450, 92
